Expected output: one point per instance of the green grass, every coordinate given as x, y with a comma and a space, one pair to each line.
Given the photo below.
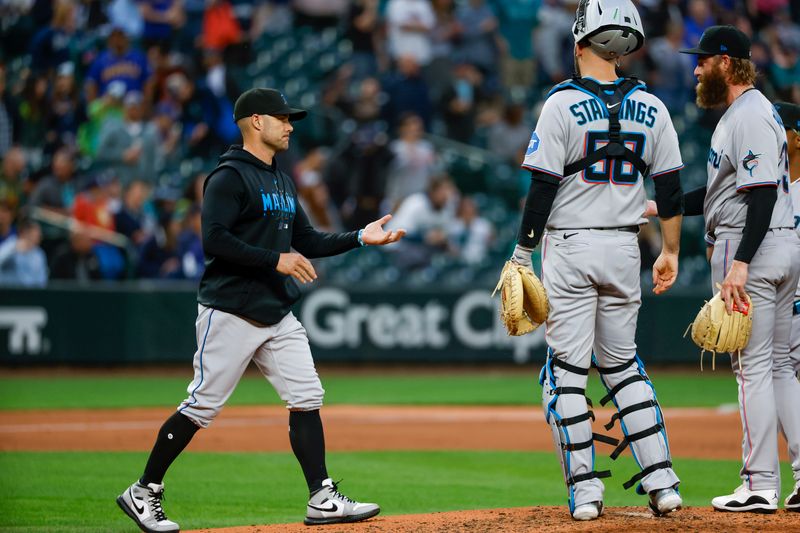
690, 389
74, 492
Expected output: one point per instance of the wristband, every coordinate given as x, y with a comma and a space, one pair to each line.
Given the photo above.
360, 240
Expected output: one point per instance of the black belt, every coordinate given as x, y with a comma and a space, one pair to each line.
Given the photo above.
629, 229
796, 308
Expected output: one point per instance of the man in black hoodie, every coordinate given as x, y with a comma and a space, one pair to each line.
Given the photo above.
251, 220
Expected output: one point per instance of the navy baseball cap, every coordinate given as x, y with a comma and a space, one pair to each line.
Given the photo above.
790, 115
722, 40
264, 102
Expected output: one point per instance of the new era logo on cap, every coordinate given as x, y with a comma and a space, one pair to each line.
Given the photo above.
722, 40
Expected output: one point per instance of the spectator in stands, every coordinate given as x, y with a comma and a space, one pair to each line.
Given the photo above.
169, 132
362, 31
517, 20
478, 40
75, 259
508, 137
12, 176
784, 69
198, 112
221, 28
356, 176
161, 20
7, 215
129, 147
223, 89
100, 111
22, 261
67, 110
33, 111
427, 217
53, 45
313, 192
460, 102
319, 14
190, 245
131, 219
127, 15
554, 40
270, 17
470, 234
414, 161
10, 120
92, 205
119, 62
158, 257
407, 91
669, 75
698, 17
57, 190
409, 25
444, 34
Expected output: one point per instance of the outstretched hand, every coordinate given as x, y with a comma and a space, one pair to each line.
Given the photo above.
374, 233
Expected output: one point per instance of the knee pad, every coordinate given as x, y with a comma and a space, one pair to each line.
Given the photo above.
631, 390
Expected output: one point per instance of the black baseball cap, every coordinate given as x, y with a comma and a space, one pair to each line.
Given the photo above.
790, 115
264, 102
722, 40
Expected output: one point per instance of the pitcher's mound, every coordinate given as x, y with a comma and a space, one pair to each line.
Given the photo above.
549, 519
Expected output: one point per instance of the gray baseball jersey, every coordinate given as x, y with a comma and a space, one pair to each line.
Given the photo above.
748, 149
794, 195
591, 274
573, 124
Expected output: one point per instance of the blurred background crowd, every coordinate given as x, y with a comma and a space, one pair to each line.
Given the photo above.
113, 112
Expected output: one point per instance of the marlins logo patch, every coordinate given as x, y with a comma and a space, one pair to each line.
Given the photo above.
750, 162
534, 144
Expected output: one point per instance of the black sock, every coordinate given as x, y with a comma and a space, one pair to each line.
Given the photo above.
308, 445
172, 438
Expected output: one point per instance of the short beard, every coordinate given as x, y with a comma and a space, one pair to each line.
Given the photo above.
713, 90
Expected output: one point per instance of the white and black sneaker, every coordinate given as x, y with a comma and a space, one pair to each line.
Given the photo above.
143, 504
329, 506
792, 501
588, 511
745, 500
664, 501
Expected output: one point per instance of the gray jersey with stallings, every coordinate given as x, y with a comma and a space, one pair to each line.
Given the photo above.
748, 149
573, 124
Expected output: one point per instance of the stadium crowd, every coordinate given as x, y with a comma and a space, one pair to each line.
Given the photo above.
111, 113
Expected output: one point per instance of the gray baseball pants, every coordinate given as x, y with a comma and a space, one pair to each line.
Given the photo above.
769, 392
592, 281
226, 343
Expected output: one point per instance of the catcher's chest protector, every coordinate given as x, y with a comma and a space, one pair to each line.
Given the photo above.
612, 97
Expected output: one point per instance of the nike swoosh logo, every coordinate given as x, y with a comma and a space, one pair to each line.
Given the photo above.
531, 234
139, 510
330, 509
568, 235
612, 106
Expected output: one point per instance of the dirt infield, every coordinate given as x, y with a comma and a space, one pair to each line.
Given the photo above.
695, 433
550, 519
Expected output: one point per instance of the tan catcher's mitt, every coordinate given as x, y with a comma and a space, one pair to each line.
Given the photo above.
716, 331
523, 300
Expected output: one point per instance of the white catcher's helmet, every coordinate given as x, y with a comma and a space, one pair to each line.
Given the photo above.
612, 27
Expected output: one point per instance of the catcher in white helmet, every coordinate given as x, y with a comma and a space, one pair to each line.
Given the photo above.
598, 138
